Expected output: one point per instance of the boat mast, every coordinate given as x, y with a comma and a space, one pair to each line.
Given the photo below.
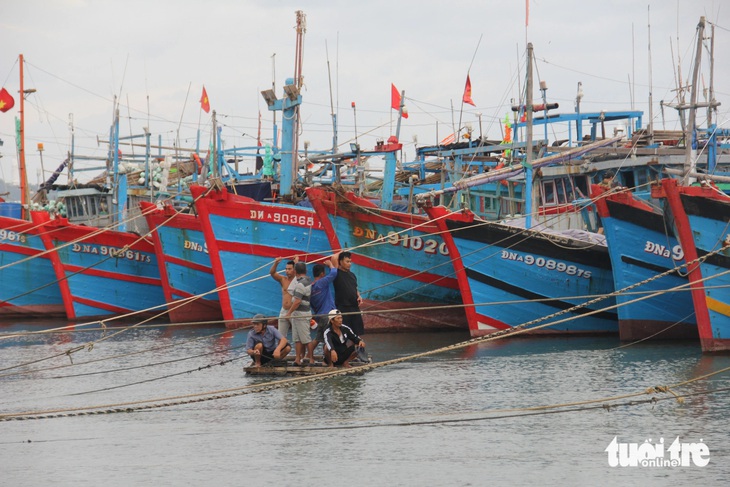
298, 82
650, 127
529, 190
24, 192
690, 137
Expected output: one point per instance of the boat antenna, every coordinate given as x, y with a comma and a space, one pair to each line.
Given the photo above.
632, 86
273, 87
332, 104
187, 95
651, 101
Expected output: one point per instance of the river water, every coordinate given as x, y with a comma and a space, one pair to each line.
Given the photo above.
455, 418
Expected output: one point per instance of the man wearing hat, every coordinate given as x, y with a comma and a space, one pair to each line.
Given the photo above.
265, 343
340, 341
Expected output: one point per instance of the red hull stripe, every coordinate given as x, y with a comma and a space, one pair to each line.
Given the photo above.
425, 277
100, 305
17, 249
112, 275
262, 250
188, 264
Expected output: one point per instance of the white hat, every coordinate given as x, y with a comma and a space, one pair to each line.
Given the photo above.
334, 313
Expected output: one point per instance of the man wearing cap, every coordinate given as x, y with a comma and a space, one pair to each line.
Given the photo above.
265, 343
340, 341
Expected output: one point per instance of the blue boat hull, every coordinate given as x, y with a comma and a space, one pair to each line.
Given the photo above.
402, 263
511, 277
95, 284
29, 286
642, 245
185, 269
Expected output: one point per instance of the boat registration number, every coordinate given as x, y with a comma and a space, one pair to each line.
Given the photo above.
283, 217
413, 242
115, 252
12, 236
549, 264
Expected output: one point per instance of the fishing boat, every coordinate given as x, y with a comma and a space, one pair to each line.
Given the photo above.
700, 216
243, 237
401, 258
103, 259
182, 255
29, 287
642, 245
510, 276
101, 272
29, 282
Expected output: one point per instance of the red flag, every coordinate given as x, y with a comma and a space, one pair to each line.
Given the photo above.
395, 100
204, 101
6, 101
467, 93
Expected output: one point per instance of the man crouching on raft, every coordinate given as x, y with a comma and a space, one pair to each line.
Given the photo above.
265, 343
340, 341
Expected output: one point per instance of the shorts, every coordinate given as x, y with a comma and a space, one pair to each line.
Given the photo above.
284, 323
267, 356
300, 331
346, 354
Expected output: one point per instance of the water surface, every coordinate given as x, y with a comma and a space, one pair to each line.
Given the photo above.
423, 422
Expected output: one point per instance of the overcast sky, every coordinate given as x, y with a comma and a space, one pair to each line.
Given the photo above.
156, 55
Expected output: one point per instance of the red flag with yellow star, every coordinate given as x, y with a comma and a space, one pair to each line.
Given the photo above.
204, 102
6, 101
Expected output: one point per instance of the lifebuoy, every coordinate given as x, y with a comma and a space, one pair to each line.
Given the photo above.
196, 157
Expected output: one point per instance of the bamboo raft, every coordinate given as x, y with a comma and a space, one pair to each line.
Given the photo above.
287, 367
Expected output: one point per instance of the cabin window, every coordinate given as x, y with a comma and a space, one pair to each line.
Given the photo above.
560, 191
548, 192
642, 177
72, 206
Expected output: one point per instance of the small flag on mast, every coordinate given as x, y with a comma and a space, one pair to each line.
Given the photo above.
395, 100
204, 101
6, 100
467, 93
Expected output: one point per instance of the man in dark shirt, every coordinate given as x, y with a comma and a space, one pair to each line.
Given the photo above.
347, 297
340, 342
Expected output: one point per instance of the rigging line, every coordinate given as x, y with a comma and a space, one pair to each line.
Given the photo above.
593, 312
518, 413
144, 366
10, 71
154, 379
654, 335
124, 355
69, 82
94, 233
